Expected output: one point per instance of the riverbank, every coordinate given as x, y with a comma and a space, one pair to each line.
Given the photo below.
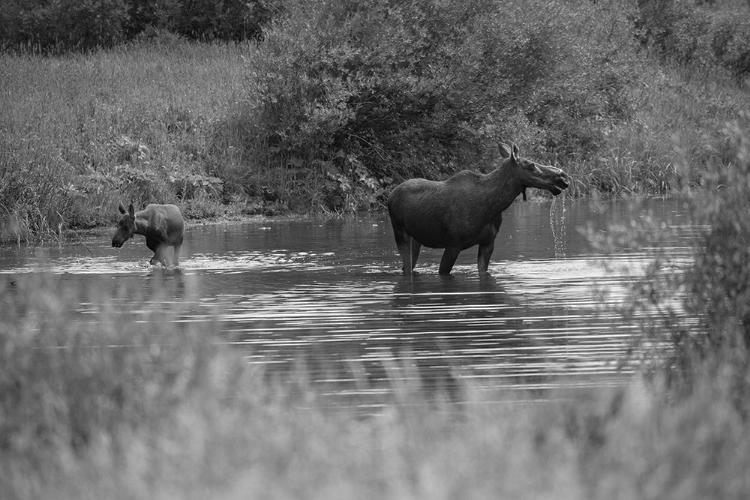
291, 126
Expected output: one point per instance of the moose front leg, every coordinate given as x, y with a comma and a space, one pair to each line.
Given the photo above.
154, 247
483, 257
177, 249
159, 256
449, 258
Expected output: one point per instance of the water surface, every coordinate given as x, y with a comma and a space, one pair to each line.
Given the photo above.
328, 293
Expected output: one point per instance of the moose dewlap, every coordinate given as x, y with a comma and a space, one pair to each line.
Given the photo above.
465, 209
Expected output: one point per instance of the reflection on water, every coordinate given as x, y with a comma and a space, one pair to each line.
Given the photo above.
328, 293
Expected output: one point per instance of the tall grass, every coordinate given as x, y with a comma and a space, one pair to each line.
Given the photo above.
82, 132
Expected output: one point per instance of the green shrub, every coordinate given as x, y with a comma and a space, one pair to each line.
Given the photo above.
65, 25
62, 24
381, 92
720, 281
698, 329
688, 32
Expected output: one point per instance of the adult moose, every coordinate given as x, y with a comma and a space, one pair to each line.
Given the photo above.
162, 225
465, 209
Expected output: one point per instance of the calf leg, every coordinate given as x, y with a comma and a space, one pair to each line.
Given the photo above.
483, 257
159, 257
449, 258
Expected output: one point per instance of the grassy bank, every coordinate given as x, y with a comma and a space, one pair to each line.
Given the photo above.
328, 114
83, 132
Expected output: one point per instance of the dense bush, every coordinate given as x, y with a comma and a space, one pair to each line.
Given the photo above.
64, 25
720, 281
698, 309
360, 94
696, 32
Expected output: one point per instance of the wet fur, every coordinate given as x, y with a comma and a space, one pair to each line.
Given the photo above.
162, 225
464, 210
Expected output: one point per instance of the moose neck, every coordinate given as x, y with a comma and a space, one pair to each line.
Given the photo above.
141, 224
502, 186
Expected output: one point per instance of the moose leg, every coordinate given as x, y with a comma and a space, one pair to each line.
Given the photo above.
483, 257
159, 257
156, 248
415, 248
408, 249
449, 258
177, 254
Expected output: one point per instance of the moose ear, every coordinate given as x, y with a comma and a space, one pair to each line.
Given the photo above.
131, 210
122, 209
514, 156
505, 150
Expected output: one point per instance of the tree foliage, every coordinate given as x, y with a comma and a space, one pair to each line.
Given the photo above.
394, 89
63, 25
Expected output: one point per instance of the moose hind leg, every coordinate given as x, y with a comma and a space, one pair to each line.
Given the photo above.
408, 249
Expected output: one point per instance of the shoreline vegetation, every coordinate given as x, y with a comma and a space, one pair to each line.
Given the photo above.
336, 103
106, 403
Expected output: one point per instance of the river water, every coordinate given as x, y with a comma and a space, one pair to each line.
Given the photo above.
327, 293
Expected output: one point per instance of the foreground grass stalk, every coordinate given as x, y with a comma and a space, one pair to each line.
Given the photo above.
124, 402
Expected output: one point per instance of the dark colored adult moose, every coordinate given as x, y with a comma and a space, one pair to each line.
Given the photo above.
465, 209
162, 225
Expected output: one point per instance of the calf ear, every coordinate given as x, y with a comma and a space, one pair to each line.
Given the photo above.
131, 210
122, 209
515, 153
505, 150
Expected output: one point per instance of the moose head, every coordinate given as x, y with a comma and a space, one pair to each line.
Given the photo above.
125, 226
533, 174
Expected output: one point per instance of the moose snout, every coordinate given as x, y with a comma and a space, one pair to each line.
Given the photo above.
559, 182
562, 180
117, 243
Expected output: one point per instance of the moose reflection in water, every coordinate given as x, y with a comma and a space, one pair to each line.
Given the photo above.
162, 225
464, 210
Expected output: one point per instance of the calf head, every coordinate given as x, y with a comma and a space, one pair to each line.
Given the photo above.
125, 226
533, 174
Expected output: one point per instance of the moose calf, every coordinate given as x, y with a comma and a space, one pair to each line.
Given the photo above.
162, 225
